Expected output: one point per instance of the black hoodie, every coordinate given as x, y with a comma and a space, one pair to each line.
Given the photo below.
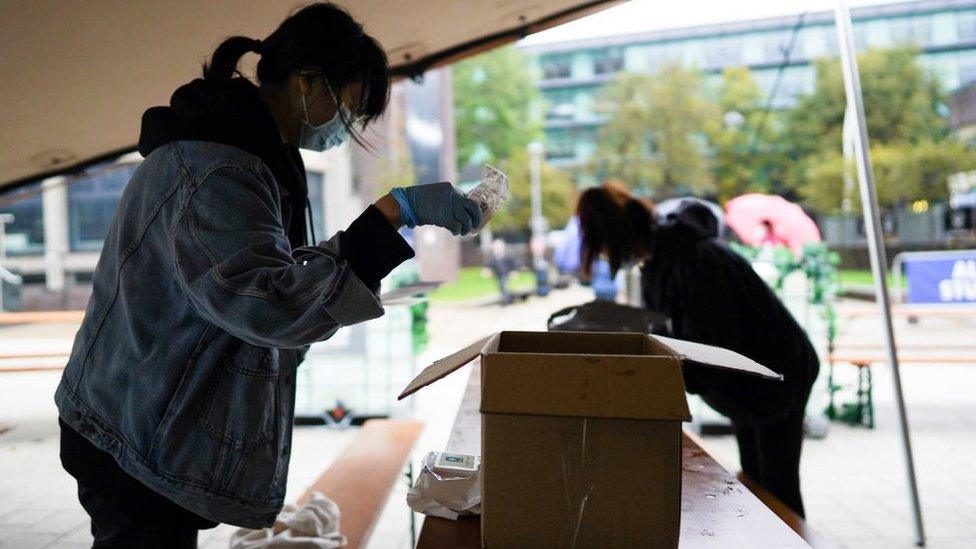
231, 112
713, 296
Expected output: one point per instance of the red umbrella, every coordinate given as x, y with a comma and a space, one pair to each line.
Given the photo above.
760, 219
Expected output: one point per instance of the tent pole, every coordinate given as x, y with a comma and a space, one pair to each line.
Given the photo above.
872, 225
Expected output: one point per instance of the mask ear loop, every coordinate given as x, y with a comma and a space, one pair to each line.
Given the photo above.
305, 109
338, 104
349, 124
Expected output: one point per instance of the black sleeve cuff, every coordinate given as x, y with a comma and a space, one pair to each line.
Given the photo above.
373, 247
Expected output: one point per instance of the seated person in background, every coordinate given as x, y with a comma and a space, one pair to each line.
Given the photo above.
713, 296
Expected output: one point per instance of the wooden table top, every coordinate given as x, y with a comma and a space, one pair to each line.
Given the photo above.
716, 509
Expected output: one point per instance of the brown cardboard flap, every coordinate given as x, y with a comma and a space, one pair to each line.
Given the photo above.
448, 364
717, 357
599, 386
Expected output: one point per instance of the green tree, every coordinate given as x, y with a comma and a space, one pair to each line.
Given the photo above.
557, 195
902, 102
935, 162
911, 149
495, 106
747, 155
657, 136
903, 173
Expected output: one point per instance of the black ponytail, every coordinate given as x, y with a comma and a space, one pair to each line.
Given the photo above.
223, 62
321, 36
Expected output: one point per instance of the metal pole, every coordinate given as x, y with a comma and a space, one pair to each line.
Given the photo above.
535, 177
872, 225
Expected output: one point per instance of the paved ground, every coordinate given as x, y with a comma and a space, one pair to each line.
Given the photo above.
854, 481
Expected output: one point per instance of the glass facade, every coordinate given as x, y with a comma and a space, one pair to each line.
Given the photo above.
573, 73
92, 199
25, 234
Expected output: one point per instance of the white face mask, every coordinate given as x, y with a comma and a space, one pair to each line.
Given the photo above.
326, 136
331, 134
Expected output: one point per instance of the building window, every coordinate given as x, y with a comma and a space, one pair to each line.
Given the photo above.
557, 66
316, 192
910, 30
608, 61
723, 52
773, 47
561, 105
966, 26
25, 234
967, 68
92, 198
560, 146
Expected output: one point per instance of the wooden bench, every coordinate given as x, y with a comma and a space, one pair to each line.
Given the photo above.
861, 411
8, 366
912, 311
42, 317
361, 478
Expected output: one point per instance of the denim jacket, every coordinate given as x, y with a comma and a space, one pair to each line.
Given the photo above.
184, 366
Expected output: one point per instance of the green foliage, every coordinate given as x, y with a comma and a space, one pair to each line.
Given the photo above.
903, 173
474, 283
911, 150
495, 103
420, 336
557, 195
747, 157
657, 137
823, 186
901, 103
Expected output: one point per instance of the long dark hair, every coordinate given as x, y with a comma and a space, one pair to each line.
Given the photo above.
322, 36
614, 222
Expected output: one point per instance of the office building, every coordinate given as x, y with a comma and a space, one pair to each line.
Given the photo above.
780, 52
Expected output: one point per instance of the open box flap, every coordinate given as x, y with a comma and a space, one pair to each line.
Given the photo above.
717, 357
448, 364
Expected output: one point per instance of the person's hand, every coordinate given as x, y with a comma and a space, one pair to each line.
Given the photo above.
440, 204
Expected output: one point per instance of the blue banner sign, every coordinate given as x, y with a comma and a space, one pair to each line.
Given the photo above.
945, 279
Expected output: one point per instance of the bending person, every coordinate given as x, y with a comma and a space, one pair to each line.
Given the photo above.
713, 296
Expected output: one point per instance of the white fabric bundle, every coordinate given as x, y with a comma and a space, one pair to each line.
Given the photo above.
312, 526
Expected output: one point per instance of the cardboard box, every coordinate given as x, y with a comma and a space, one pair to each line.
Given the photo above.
581, 435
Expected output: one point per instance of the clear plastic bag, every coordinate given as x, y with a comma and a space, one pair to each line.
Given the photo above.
491, 193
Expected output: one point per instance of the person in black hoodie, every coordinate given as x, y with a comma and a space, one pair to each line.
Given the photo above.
713, 296
177, 402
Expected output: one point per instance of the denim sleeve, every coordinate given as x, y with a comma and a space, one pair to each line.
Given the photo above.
237, 267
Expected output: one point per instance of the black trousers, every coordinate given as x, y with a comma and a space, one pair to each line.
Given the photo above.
113, 527
770, 455
124, 512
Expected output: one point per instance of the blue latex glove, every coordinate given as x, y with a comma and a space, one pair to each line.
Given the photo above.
440, 204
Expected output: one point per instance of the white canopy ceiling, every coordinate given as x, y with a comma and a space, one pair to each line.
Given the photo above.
76, 76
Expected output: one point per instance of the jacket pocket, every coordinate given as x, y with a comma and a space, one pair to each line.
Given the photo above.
242, 399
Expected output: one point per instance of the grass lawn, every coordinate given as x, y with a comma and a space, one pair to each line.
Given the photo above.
472, 284
860, 278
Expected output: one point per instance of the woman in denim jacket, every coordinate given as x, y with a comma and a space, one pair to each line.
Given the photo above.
177, 403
